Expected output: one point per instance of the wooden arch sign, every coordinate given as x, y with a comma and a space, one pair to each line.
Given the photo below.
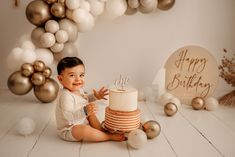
191, 71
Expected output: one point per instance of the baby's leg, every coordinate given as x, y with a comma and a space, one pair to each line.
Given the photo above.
87, 133
94, 122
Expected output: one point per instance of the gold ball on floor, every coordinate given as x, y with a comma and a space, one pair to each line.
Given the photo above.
170, 109
151, 128
198, 103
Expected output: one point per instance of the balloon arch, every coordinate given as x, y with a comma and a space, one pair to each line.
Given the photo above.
58, 23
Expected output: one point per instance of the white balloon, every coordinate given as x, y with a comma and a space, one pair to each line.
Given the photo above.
116, 8
23, 38
61, 36
97, 7
88, 24
45, 55
137, 138
28, 56
79, 15
28, 45
85, 5
72, 4
26, 126
52, 26
13, 57
47, 40
70, 27
57, 47
164, 98
211, 103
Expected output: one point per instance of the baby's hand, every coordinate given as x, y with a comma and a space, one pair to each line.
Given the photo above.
91, 109
101, 93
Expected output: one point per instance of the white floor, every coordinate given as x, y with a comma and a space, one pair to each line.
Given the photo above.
187, 134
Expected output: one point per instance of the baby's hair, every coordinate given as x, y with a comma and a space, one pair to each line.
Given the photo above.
68, 62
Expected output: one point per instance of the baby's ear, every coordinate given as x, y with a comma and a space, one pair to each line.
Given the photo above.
59, 78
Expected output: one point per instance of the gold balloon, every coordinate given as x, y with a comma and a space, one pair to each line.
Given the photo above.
38, 79
19, 84
130, 11
47, 72
47, 92
58, 10
198, 103
39, 65
50, 1
152, 129
38, 12
165, 4
170, 109
27, 69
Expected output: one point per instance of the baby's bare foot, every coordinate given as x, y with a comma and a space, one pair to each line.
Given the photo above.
117, 137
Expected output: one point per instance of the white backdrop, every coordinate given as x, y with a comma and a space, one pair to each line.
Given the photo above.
136, 46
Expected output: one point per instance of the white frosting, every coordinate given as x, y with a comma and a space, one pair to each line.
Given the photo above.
123, 100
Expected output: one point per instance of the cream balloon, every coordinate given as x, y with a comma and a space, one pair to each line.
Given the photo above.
47, 92
85, 5
72, 4
176, 101
57, 47
19, 84
96, 7
38, 12
47, 40
133, 3
28, 45
137, 138
13, 57
211, 103
164, 98
88, 24
25, 126
70, 27
52, 26
45, 55
79, 15
115, 8
149, 3
69, 51
27, 56
36, 35
61, 36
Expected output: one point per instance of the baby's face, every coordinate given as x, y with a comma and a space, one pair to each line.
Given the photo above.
72, 78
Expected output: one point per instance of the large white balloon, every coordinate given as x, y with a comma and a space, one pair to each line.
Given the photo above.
52, 26
47, 40
97, 7
13, 57
85, 5
61, 36
137, 138
70, 27
79, 15
72, 4
88, 24
27, 56
45, 55
115, 8
28, 45
26, 126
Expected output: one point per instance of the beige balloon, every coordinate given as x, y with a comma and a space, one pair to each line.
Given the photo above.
47, 40
152, 128
27, 69
149, 3
47, 92
19, 84
58, 10
38, 12
165, 4
39, 65
133, 3
170, 109
69, 50
36, 35
130, 11
52, 26
38, 79
145, 10
57, 47
47, 72
70, 27
198, 103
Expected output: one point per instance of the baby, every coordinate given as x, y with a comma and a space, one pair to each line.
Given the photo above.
75, 111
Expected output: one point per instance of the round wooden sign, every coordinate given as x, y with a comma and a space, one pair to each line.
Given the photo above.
191, 71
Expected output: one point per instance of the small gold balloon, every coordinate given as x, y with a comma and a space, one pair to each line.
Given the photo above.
165, 4
39, 65
50, 1
47, 92
27, 69
198, 103
38, 12
58, 10
38, 79
47, 72
152, 128
170, 109
19, 84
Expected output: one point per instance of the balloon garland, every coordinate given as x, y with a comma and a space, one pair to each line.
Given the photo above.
58, 23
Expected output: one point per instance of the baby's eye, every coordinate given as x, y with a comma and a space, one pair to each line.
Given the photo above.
72, 75
82, 75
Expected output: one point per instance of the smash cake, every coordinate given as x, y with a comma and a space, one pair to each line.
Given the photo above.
122, 113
